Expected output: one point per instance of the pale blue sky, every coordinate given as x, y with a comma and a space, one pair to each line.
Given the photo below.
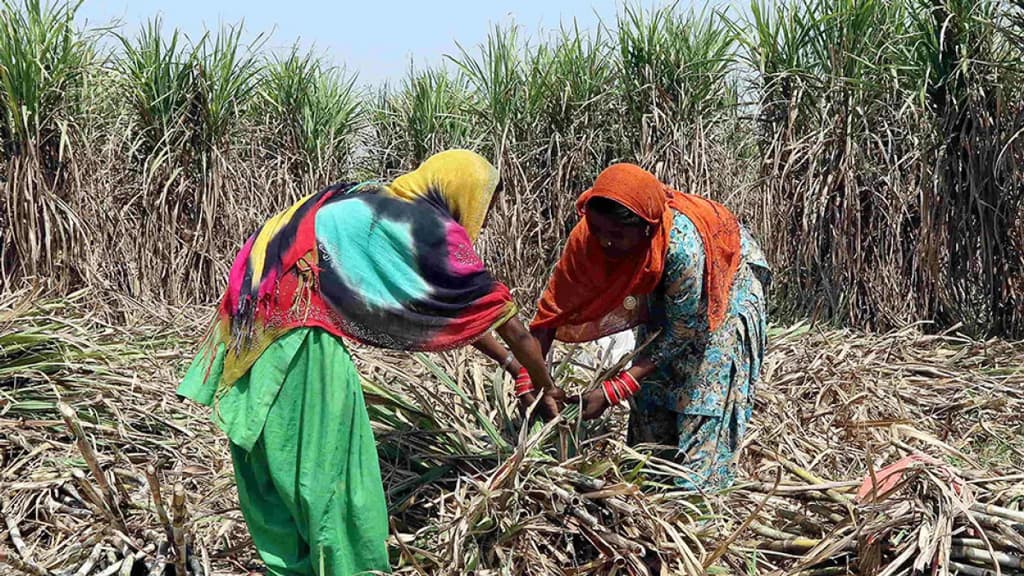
376, 38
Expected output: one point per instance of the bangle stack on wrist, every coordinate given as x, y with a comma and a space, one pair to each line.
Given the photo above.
620, 388
524, 385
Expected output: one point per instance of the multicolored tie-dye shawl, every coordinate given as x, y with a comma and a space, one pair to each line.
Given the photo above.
390, 266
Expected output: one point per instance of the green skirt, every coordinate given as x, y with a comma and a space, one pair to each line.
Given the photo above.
309, 482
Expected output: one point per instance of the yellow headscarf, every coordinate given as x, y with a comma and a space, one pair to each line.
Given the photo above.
464, 178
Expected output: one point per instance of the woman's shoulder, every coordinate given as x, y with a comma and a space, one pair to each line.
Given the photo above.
684, 262
682, 226
685, 245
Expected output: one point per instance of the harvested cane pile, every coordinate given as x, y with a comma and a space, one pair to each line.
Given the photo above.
868, 454
101, 470
895, 454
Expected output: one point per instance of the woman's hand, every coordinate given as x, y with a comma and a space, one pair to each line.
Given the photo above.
525, 347
551, 403
527, 352
612, 392
594, 403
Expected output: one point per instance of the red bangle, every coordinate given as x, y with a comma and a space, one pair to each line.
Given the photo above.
611, 394
524, 385
630, 382
620, 388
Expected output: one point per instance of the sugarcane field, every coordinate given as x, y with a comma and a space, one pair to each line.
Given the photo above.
650, 288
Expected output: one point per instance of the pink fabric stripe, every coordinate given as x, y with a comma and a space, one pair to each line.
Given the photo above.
269, 283
238, 274
462, 259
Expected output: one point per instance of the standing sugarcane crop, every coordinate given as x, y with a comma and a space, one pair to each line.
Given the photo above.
391, 266
646, 255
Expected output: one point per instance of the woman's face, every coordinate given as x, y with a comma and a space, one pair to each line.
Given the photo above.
618, 240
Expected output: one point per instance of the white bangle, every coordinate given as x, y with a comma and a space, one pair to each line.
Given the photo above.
508, 361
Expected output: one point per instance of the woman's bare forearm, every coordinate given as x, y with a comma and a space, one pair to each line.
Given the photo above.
545, 338
527, 351
495, 350
641, 369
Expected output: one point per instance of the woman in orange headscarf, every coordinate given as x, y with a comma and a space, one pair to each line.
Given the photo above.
683, 270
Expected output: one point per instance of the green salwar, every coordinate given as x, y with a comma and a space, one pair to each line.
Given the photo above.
305, 460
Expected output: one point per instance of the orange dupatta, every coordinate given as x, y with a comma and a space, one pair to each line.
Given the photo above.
590, 296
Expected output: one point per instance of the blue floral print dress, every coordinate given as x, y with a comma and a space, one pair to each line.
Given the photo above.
697, 404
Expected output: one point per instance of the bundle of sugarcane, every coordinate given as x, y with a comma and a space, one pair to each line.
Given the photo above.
534, 515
